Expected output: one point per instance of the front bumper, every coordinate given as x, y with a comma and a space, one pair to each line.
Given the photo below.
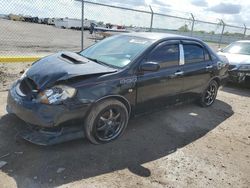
46, 137
238, 76
43, 115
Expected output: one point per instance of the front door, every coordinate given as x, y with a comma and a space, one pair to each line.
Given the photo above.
157, 89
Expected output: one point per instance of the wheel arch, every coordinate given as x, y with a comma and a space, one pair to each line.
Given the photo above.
217, 79
119, 98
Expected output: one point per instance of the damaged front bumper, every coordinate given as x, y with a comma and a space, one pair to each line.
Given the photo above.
46, 122
45, 137
238, 76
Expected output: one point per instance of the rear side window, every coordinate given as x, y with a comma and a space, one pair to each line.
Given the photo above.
207, 56
166, 56
193, 53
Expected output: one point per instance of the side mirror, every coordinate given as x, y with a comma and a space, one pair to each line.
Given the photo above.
150, 66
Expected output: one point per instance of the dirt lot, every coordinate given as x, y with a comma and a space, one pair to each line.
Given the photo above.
22, 38
182, 146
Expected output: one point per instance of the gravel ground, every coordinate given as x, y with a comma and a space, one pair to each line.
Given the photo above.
22, 38
9, 72
182, 146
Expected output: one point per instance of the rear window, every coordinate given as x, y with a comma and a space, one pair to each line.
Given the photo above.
193, 53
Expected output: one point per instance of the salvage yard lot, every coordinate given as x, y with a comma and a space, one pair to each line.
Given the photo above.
25, 38
182, 146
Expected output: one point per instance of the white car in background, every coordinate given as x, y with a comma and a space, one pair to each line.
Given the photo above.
238, 55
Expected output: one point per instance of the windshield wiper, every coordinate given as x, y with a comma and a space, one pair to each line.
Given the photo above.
96, 60
100, 62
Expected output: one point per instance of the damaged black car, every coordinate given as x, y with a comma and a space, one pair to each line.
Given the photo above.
100, 88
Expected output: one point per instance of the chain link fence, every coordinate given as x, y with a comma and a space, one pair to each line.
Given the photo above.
43, 27
28, 27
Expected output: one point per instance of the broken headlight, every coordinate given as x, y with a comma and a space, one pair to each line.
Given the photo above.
56, 94
24, 73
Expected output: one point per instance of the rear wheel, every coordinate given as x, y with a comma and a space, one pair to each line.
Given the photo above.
106, 121
209, 95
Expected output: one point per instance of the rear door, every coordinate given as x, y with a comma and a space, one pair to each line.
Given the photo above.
197, 68
154, 89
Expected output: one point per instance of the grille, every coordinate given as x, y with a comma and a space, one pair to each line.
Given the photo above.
27, 85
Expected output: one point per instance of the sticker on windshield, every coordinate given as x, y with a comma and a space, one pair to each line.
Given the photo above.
138, 41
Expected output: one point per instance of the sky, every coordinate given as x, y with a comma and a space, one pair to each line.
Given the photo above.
235, 12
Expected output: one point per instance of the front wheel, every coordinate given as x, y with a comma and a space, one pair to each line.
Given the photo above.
106, 121
209, 95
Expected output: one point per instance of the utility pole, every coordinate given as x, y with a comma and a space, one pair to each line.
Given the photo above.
193, 20
245, 30
152, 18
222, 31
82, 33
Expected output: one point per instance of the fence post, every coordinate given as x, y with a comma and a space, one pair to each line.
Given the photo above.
222, 31
82, 30
245, 30
193, 20
152, 18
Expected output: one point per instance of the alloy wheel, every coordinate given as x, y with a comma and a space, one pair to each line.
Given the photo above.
210, 94
109, 124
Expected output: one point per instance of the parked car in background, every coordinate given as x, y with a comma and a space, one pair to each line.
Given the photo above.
111, 81
238, 55
15, 17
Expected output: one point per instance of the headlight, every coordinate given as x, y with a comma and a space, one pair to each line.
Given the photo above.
24, 74
244, 67
56, 94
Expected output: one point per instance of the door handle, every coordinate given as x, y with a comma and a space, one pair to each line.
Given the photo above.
209, 67
179, 73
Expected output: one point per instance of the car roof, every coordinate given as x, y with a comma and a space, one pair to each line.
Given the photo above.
158, 36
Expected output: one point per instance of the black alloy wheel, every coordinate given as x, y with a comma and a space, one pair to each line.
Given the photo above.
106, 121
109, 124
209, 95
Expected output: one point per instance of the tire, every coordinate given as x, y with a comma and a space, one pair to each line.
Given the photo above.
106, 121
209, 95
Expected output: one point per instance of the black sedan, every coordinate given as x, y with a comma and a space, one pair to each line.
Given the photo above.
117, 78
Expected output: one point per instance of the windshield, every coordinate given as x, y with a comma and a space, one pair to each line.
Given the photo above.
118, 50
238, 48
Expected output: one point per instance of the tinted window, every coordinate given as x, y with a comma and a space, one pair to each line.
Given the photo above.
167, 55
193, 53
207, 56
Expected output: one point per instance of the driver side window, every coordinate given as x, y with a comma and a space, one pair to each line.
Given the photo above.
166, 55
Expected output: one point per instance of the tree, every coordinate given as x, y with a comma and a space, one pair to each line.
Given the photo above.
184, 28
100, 23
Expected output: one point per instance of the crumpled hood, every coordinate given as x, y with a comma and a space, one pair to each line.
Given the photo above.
46, 71
236, 59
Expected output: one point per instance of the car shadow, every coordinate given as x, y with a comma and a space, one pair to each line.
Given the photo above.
147, 138
237, 89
